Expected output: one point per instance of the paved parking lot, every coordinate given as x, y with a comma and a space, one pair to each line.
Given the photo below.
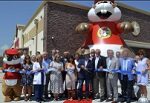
22, 101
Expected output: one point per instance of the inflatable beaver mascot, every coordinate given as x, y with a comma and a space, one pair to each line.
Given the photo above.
103, 31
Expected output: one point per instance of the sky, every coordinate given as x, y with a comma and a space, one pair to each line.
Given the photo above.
20, 12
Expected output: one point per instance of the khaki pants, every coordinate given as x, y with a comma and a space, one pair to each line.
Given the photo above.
112, 86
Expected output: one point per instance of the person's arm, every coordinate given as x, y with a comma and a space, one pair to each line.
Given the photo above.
102, 63
80, 65
36, 67
89, 66
133, 66
51, 64
66, 67
62, 67
147, 68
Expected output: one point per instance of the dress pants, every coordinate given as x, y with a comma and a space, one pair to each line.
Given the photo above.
38, 92
99, 81
80, 85
39, 89
46, 86
112, 86
126, 87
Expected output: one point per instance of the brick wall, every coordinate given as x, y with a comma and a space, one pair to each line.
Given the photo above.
60, 22
142, 19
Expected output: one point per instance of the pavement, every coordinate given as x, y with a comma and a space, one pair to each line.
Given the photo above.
22, 101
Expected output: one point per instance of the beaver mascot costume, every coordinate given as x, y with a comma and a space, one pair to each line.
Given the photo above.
11, 88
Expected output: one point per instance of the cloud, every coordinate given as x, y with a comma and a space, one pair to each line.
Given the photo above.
3, 47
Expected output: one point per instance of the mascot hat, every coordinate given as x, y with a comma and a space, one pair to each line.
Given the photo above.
11, 51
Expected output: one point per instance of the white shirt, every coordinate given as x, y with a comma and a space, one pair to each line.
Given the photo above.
96, 62
125, 65
22, 58
37, 75
109, 63
76, 63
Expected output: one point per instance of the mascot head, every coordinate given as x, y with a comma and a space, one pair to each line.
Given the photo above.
11, 57
104, 10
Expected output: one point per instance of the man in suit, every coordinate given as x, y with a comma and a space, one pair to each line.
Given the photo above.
99, 77
85, 72
111, 77
127, 64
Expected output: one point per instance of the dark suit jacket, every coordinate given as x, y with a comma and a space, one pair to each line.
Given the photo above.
88, 73
101, 62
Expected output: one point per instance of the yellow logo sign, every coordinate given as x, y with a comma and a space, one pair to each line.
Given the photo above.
104, 32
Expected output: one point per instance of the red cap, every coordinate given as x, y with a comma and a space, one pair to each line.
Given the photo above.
95, 1
11, 51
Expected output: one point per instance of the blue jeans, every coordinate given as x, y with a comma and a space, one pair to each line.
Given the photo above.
80, 83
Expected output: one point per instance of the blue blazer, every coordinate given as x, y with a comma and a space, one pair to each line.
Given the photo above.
130, 66
85, 74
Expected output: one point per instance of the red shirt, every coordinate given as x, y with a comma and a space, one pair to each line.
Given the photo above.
10, 75
104, 33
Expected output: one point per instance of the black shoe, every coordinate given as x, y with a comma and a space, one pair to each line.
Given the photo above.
43, 100
30, 99
135, 98
47, 98
101, 100
114, 102
108, 99
79, 99
39, 101
128, 101
87, 98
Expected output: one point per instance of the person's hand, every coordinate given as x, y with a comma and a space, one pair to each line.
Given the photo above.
62, 69
39, 69
133, 71
101, 67
143, 71
23, 70
17, 69
82, 66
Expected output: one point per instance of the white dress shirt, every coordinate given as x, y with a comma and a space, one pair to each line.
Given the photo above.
76, 63
96, 62
109, 63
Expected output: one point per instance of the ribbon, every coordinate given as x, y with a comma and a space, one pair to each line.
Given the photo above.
48, 70
117, 71
27, 71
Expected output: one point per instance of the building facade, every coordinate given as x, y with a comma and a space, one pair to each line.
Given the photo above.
53, 26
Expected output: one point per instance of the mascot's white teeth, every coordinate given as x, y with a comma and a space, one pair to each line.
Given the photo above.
103, 11
104, 14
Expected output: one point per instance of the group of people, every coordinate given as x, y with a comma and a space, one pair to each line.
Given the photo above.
81, 75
